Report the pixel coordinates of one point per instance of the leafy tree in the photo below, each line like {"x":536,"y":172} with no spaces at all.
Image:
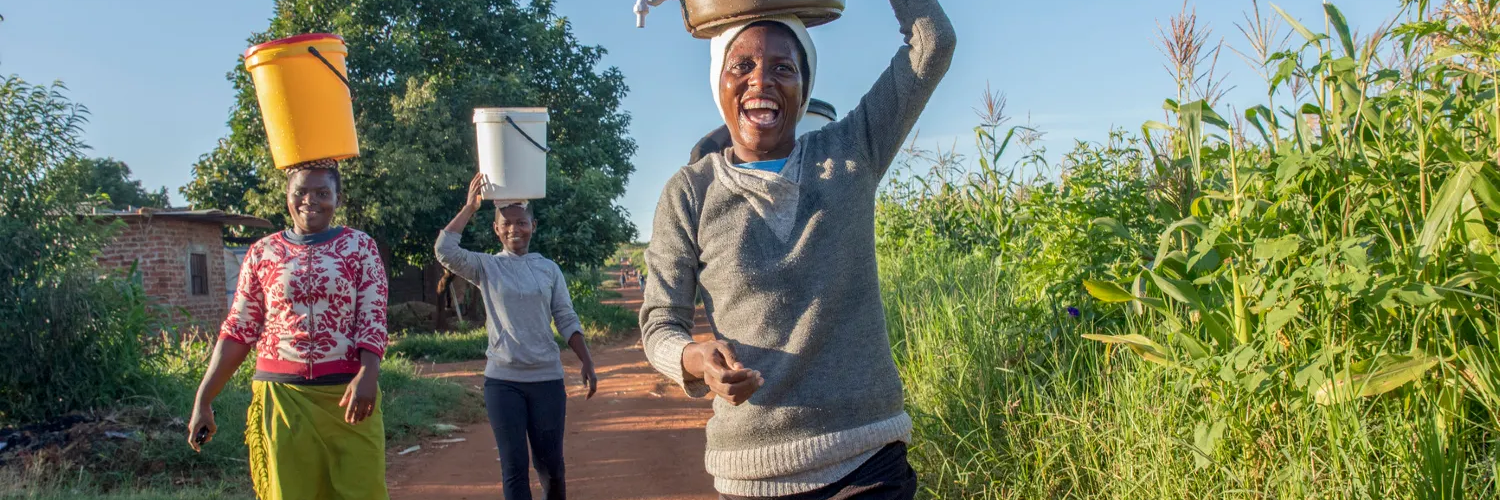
{"x":417,"y":70}
{"x":108,"y":177}
{"x":71,"y":340}
{"x":39,"y":131}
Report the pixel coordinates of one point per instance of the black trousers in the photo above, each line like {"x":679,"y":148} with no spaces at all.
{"x":885,"y":476}
{"x":522,"y":412}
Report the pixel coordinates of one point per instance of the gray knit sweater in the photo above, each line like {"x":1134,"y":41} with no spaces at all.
{"x":525,"y":297}
{"x":786,"y":268}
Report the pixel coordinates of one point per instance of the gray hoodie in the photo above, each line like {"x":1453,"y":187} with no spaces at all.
{"x":524,"y":297}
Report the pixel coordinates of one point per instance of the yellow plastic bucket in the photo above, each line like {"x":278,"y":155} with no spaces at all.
{"x":304,"y":98}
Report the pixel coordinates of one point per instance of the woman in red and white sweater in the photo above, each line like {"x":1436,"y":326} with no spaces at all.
{"x":311,"y":303}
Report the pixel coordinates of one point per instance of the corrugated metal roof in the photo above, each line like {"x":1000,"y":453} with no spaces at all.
{"x":216,"y":216}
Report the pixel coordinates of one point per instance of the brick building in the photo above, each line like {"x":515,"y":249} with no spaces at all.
{"x":181,"y":258}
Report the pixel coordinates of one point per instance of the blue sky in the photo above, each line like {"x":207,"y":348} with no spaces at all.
{"x":152,"y":72}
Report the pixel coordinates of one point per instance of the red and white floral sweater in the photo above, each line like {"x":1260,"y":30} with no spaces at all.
{"x":310,"y":309}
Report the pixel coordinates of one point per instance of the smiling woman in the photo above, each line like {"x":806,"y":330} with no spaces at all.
{"x":776,"y":235}
{"x":313,"y":192}
{"x":311,"y":303}
{"x":763,"y":79}
{"x":526,"y":298}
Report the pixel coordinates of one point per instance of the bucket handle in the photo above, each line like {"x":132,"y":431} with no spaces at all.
{"x":538,"y":145}
{"x":335,"y":71}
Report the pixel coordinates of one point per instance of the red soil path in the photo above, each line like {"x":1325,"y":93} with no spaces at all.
{"x":640,"y":437}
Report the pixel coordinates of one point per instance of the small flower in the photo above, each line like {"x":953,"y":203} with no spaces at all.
{"x":1073,"y":311}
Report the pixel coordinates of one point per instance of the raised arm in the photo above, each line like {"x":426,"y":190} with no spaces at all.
{"x":889,"y":111}
{"x":667,"y":310}
{"x":467,"y":265}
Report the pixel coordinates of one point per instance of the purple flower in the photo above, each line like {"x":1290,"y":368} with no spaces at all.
{"x":1073,"y":311}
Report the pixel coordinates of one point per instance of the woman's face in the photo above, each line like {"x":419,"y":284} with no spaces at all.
{"x":311,"y":197}
{"x":514,"y":227}
{"x":760,"y":93}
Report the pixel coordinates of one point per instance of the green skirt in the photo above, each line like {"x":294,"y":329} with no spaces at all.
{"x":301,"y":447}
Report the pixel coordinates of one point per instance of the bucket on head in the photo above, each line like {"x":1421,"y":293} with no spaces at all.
{"x":819,"y":114}
{"x":513,"y":152}
{"x":302,"y":86}
{"x":706,"y":18}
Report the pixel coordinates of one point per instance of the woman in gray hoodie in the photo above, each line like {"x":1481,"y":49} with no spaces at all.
{"x":525,"y":297}
{"x":776,"y":234}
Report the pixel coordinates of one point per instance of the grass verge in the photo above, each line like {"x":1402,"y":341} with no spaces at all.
{"x":602,"y":323}
{"x":152,"y":460}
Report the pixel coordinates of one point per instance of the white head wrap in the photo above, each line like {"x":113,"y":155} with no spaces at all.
{"x":719,"y":48}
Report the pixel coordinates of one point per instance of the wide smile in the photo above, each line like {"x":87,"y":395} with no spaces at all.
{"x":760,"y":112}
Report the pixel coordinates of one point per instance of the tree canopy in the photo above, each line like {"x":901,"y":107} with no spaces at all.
{"x":107,"y":177}
{"x":417,"y":69}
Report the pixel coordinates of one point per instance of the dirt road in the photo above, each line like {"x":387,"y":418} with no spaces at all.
{"x":640,"y":437}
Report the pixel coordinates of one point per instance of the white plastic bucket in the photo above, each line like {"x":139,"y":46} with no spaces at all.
{"x":819,"y":114}
{"x":513,"y":152}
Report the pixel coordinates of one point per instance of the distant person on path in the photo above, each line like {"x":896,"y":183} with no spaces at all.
{"x":311,"y":302}
{"x":525,"y":296}
{"x":777,"y":235}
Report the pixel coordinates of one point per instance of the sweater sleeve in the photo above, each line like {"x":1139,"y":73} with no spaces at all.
{"x":880,"y":123}
{"x":671,"y":285}
{"x":370,"y":329}
{"x":564,"y":318}
{"x":467,"y":265}
{"x":247,"y":315}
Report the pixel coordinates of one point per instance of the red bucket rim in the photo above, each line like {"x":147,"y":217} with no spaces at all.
{"x":308,"y":37}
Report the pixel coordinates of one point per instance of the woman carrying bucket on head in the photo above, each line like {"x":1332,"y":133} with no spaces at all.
{"x":777,"y":234}
{"x":526,"y":299}
{"x":311,"y":300}
{"x":311,"y":305}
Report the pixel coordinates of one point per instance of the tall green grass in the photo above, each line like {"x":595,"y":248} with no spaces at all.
{"x":1290,"y":302}
{"x":1012,"y":409}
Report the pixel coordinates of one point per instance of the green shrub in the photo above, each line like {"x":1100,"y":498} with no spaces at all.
{"x":440,"y":347}
{"x":73,"y":338}
{"x":604,"y":322}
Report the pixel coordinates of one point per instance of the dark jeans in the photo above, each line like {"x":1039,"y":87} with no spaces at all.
{"x":885,"y":476}
{"x":522,"y":412}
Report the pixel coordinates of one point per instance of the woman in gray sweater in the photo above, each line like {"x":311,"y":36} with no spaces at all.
{"x":776,"y":234}
{"x":525,"y":299}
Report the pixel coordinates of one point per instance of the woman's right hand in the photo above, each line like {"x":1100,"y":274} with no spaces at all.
{"x":475,"y":199}
{"x":203,"y":420}
{"x":725,"y":376}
